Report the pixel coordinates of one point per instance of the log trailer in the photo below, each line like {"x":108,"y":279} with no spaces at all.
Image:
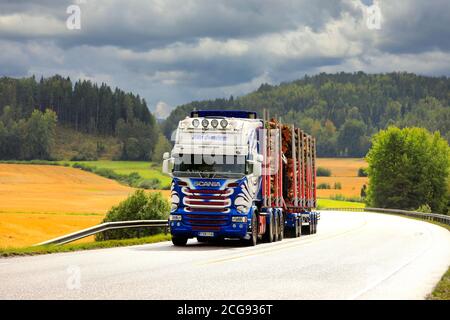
{"x":235,"y":176}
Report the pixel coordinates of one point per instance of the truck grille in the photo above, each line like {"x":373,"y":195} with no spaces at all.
{"x":206,"y":219}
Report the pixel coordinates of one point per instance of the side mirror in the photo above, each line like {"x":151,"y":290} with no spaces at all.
{"x":166,"y":156}
{"x":257,"y":168}
{"x":166,"y":167}
{"x":256,"y":164}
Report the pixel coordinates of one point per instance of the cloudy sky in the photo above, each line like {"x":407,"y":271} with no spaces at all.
{"x":172,"y":52}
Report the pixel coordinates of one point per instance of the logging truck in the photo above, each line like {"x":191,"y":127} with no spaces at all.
{"x":237,"y":176}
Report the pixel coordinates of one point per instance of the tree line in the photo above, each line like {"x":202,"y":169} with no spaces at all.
{"x":344,"y":110}
{"x":83,"y":106}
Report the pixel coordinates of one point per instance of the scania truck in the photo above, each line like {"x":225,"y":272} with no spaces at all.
{"x":237,"y":176}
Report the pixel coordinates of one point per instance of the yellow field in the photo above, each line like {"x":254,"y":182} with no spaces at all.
{"x":345,"y":171}
{"x":39,"y":202}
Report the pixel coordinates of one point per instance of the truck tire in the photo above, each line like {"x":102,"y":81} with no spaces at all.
{"x":299,"y":227}
{"x":179,"y":241}
{"x":254,"y":235}
{"x":275,"y":227}
{"x":202,"y":239}
{"x":293,"y":232}
{"x":281,"y":227}
{"x":307,"y":229}
{"x":314,"y":225}
{"x":268,"y":236}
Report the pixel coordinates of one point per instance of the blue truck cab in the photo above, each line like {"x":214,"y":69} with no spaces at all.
{"x":216,"y":170}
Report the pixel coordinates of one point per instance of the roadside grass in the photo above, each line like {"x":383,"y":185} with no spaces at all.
{"x":328,"y":203}
{"x":442,"y":289}
{"x":28,"y":251}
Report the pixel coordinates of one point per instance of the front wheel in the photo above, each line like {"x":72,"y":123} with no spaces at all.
{"x":179,"y":241}
{"x":202,"y":239}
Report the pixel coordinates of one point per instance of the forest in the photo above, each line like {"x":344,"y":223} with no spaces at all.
{"x":83,"y":106}
{"x":344,"y":110}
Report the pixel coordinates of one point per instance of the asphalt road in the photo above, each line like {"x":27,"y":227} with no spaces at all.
{"x":353,"y":256}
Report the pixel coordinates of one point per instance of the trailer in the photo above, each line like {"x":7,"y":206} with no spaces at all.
{"x":235,"y":176}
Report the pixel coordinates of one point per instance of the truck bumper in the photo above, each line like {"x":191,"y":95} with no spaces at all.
{"x":233,"y":230}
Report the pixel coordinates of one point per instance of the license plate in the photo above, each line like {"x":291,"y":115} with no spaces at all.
{"x":206,"y":234}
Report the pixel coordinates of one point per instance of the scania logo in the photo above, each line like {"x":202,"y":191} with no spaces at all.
{"x":207,"y":184}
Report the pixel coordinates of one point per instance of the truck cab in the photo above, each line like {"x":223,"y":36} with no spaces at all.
{"x":216,"y":172}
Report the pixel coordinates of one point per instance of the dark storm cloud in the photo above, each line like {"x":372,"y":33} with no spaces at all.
{"x":416,"y":26}
{"x":172,"y":52}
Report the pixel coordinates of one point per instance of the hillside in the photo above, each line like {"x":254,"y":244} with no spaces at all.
{"x":343,"y":110}
{"x":75,"y":145}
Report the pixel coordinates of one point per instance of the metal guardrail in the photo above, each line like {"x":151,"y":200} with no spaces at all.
{"x":163,"y":223}
{"x":442,"y":218}
{"x":104,"y":227}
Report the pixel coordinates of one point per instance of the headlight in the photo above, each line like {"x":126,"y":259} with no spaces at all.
{"x":223,"y":123}
{"x":239,"y":219}
{"x":195,"y":123}
{"x":175,"y":217}
{"x":242,"y":209}
{"x":205,"y":123}
{"x":214,"y":123}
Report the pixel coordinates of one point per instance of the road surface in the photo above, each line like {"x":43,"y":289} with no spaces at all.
{"x":353,"y":256}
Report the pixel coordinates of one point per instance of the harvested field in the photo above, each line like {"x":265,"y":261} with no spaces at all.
{"x":39,"y":202}
{"x":345,"y":171}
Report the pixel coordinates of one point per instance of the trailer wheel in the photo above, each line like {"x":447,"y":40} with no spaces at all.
{"x":268,"y":236}
{"x":275,"y":227}
{"x":179,"y":241}
{"x":294,"y":232}
{"x":254,"y":236}
{"x":307,"y":229}
{"x":315,"y":223}
{"x":281,"y":227}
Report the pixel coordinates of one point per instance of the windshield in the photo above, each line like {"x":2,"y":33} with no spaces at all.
{"x":213,"y":166}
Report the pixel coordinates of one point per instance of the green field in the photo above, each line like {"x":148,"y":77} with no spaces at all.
{"x":328,"y":203}
{"x":147,"y":170}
